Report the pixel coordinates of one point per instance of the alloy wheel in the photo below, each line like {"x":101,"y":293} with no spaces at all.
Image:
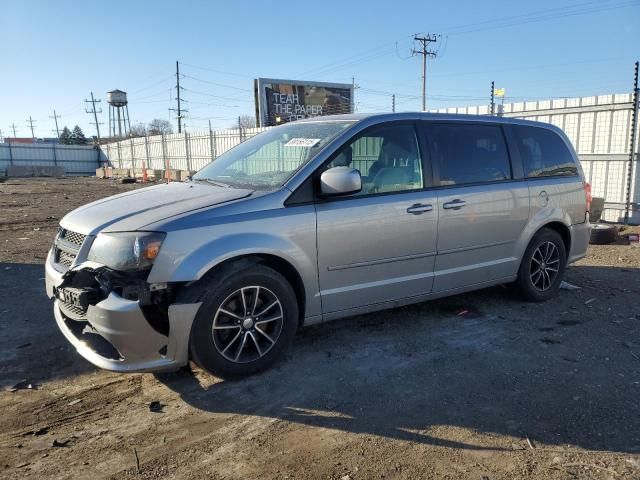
{"x":545,"y":264}
{"x":247,"y":324}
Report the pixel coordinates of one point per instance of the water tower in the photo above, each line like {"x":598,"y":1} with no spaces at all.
{"x":118,"y":113}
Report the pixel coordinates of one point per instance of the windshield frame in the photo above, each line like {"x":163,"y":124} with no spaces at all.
{"x":220,"y":180}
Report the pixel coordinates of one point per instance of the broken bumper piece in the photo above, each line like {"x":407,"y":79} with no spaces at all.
{"x":114,"y":334}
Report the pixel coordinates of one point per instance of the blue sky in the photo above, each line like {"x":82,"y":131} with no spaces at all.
{"x":54,"y":53}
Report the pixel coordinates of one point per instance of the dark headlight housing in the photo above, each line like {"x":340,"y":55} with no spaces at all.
{"x":126,"y":251}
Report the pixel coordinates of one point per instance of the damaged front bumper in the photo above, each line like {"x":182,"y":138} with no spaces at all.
{"x":119,"y":334}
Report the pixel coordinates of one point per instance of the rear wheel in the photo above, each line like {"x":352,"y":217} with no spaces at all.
{"x":245,"y":323}
{"x":542,"y":267}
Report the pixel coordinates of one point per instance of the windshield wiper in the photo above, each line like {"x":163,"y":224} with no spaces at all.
{"x":212,"y":182}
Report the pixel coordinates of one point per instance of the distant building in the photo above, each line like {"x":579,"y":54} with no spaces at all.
{"x":30,"y":141}
{"x":21,"y":140}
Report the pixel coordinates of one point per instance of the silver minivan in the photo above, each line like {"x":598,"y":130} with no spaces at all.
{"x":312,"y":221}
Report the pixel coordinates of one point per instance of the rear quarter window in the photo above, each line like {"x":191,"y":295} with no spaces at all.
{"x":544,"y":153}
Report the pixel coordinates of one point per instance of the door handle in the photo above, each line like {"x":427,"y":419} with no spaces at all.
{"x":456,"y":204}
{"x":418,"y":208}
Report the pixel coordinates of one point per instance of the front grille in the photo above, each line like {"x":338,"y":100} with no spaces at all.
{"x":66,"y":248}
{"x":64,"y":258}
{"x":72,"y":237}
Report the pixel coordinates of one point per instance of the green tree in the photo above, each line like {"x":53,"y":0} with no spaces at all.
{"x":65,"y":136}
{"x":77,"y":136}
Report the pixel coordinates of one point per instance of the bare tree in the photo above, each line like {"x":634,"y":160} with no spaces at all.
{"x":138,"y":130}
{"x":245,"y":121}
{"x":157,"y":126}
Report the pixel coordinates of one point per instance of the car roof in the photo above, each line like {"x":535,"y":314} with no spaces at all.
{"x":372,"y":118}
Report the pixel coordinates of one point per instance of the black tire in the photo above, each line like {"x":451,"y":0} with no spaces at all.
{"x":529,"y":283}
{"x":602,"y":234}
{"x":217,"y":294}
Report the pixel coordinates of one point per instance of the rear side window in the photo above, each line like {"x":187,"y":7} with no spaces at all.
{"x":469,"y":153}
{"x":544,"y":153}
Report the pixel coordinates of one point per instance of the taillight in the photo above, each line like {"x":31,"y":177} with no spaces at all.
{"x":587,"y":195}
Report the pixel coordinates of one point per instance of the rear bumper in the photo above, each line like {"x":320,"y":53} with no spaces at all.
{"x":580,"y":235}
{"x":115,"y":335}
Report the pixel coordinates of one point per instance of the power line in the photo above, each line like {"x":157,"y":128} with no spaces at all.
{"x":95,"y":113}
{"x":538,"y":16}
{"x":221,"y":72}
{"x":55,"y":118}
{"x":222,"y":85}
{"x":30,"y":122}
{"x":425,"y":52}
{"x":164,"y":79}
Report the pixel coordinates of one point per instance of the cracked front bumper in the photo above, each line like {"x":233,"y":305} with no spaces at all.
{"x":115,"y":335}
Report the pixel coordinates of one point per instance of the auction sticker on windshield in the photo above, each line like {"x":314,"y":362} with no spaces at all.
{"x":302,"y":142}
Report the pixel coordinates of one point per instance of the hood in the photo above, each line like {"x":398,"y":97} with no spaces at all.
{"x":133,"y":210}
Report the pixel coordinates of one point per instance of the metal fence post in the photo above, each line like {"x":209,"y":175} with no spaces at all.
{"x":632,"y":146}
{"x":215,"y":145}
{"x":10,"y":155}
{"x":165,"y":160}
{"x":133,"y":161}
{"x":119,"y":155}
{"x":211,"y":143}
{"x":187,"y":151}
{"x":55,"y":159}
{"x":146,"y":149}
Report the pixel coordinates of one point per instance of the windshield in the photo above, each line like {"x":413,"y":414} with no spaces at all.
{"x":268,"y":160}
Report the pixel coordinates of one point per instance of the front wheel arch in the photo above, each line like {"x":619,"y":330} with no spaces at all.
{"x":194,"y":291}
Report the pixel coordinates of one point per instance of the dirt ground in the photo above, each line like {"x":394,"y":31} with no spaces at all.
{"x":478,"y":386}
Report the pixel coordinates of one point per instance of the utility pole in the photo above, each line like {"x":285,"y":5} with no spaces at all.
{"x":393,"y":102}
{"x":633,"y":142}
{"x":56,"y":117}
{"x":492,"y":98}
{"x":95,"y":113}
{"x":13,"y":127}
{"x":353,"y":94}
{"x":424,"y":42}
{"x":1,"y":136}
{"x":179,"y":111}
{"x":30,"y":121}
{"x":178,"y":89}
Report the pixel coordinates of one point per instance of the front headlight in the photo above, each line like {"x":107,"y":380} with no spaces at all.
{"x":126,"y":251}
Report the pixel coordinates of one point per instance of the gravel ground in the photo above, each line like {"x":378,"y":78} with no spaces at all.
{"x":477,"y":386}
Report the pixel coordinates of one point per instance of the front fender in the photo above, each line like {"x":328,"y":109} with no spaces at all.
{"x":187,"y":255}
{"x":203,"y":259}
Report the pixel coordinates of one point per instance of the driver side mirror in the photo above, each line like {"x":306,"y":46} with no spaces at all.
{"x":340,"y":181}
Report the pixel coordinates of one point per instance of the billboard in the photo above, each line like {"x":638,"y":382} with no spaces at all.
{"x":282,"y":101}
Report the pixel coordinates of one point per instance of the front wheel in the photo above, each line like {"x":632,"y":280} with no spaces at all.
{"x":245,"y":323}
{"x":542,"y":267}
